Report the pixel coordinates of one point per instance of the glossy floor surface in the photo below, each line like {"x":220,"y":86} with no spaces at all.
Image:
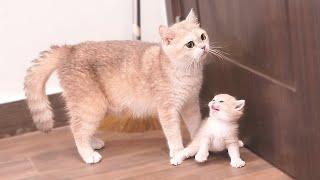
{"x":126,"y":156}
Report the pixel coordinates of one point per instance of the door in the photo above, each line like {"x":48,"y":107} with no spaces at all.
{"x":275,"y":65}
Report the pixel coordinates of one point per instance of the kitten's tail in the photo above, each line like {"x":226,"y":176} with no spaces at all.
{"x":34,"y":86}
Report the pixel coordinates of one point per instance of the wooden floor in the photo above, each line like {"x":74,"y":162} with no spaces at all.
{"x":126,"y":156}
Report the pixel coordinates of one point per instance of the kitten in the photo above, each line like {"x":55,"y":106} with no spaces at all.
{"x":124,"y":76}
{"x":217,"y":133}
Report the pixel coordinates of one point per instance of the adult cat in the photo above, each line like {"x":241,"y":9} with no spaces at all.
{"x":124,"y":76}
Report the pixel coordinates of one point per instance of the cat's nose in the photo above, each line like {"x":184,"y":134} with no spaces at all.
{"x":203,"y":47}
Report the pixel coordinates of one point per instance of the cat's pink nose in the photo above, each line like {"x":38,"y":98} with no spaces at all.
{"x":203,"y":47}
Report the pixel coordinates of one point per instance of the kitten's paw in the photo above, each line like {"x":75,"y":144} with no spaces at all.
{"x":241,"y":144}
{"x":201,"y":157}
{"x":186,"y":154}
{"x":91,"y":158}
{"x":96,"y":143}
{"x":237,"y":163}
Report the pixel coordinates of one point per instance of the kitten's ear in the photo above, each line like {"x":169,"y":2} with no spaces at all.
{"x":192,"y":18}
{"x":166,"y":34}
{"x":240,"y":105}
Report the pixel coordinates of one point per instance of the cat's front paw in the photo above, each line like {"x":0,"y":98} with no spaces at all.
{"x":91,"y":158}
{"x":174,"y":152}
{"x":201,"y":157}
{"x":237,"y":163}
{"x":176,"y":160}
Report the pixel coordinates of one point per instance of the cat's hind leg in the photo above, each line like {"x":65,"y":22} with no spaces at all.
{"x":84,"y":122}
{"x":234,"y":154}
{"x":86,"y":105}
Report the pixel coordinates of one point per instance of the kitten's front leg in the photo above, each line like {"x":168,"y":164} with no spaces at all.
{"x":203,"y":152}
{"x":233,"y":151}
{"x":187,"y":152}
{"x":170,"y":122}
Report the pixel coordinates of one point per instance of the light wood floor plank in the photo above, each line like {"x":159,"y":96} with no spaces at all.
{"x":126,"y":156}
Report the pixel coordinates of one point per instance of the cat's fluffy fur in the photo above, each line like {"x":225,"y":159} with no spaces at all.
{"x":217,"y":133}
{"x":120,"y":76}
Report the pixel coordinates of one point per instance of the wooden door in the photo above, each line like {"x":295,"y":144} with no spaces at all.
{"x":275,"y":66}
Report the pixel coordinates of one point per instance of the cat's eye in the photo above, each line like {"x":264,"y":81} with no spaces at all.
{"x":190,"y":44}
{"x":203,"y":37}
{"x":221,"y":101}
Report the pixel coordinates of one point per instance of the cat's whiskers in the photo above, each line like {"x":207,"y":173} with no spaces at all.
{"x":215,"y":43}
{"x":223,"y":52}
{"x":216,"y":47}
{"x":215,"y":53}
{"x":219,"y":53}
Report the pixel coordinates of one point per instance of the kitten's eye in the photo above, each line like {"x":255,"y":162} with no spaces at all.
{"x":203,"y":37}
{"x":190,"y":44}
{"x":221,"y":101}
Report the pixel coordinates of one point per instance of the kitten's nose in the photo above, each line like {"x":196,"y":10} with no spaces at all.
{"x":215,"y":107}
{"x":203,"y":47}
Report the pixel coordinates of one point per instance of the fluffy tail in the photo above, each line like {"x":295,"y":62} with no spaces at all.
{"x":35,"y":81}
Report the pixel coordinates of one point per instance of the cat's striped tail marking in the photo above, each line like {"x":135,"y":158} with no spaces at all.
{"x":34,"y":86}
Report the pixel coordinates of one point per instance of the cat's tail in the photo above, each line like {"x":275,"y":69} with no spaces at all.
{"x":34,"y":86}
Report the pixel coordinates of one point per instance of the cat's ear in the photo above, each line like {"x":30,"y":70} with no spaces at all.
{"x":192,"y":18}
{"x":166,"y":34}
{"x":240,"y":105}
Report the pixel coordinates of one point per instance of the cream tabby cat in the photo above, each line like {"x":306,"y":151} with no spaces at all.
{"x":217,"y":133}
{"x":124,"y":76}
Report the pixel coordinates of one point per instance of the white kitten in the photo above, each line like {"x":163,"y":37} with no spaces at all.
{"x":217,"y":133}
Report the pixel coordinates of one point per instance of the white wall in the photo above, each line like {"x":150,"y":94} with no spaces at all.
{"x":153,"y":13}
{"x":28,"y":27}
